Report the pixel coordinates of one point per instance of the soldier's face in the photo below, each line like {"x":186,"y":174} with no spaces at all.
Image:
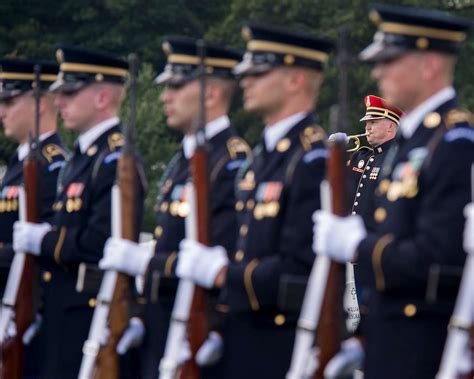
{"x":379,"y":131}
{"x":264,"y":93}
{"x":17,"y":116}
{"x":181,"y":105}
{"x":78,"y":109}
{"x":400,"y":80}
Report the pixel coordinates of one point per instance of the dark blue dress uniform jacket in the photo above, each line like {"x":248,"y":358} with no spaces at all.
{"x":414,"y":260}
{"x":52,"y":159}
{"x":277,"y":196}
{"x":227,"y":152}
{"x":80,"y":228}
{"x":53,"y":156}
{"x":365,"y":167}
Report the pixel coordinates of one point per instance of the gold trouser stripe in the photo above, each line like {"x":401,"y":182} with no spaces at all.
{"x":191,"y":59}
{"x":21,"y":76}
{"x":93,"y":69}
{"x":169,"y":263}
{"x":377,"y":260}
{"x":249,"y":286}
{"x":59,"y":245}
{"x":282,"y":48}
{"x":422,"y":31}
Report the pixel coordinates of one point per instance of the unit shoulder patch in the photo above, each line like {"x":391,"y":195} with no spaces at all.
{"x":311,"y":135}
{"x":236,"y":146}
{"x":458,"y":117}
{"x":115,"y":140}
{"x":53,"y":152}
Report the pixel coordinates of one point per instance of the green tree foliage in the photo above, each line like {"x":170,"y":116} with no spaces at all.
{"x":31,"y":28}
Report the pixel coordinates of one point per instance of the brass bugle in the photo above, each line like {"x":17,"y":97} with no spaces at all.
{"x":356,"y":139}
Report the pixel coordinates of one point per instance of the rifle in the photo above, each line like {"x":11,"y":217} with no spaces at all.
{"x":18,"y":299}
{"x":461,"y":325}
{"x":331,"y":324}
{"x":112,"y":310}
{"x":182,"y":304}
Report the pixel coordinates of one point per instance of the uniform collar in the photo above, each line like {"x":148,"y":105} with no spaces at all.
{"x":88,"y":138}
{"x":383,"y":147}
{"x":211,"y":129}
{"x":410,"y":122}
{"x":274,"y":133}
{"x":24,"y":149}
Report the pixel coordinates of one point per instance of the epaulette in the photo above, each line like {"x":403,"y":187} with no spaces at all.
{"x":236,"y":145}
{"x":51,"y":151}
{"x":311,"y":135}
{"x":115,"y":140}
{"x":458,"y":116}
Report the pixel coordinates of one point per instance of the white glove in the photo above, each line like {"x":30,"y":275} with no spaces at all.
{"x":335,"y":136}
{"x":211,"y":350}
{"x":132,"y":337}
{"x":344,"y":363}
{"x":200,"y":263}
{"x":337,"y":237}
{"x":126,"y":256}
{"x":184,"y":354}
{"x":32,"y":330}
{"x":27,"y":236}
{"x":469,"y":228}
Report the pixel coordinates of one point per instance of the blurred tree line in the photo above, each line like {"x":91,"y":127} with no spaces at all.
{"x":33,"y":29}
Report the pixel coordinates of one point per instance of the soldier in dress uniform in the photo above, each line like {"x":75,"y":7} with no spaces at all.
{"x":227,"y":152}
{"x":381,"y":121}
{"x":90,"y":89}
{"x":17,"y":114}
{"x":276,"y":195}
{"x":412,"y":262}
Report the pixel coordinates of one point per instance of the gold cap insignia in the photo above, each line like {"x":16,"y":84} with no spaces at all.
{"x":166,"y":47}
{"x":422,"y":43}
{"x":374,"y":16}
{"x":289,"y":59}
{"x":59,"y":56}
{"x":246,"y":33}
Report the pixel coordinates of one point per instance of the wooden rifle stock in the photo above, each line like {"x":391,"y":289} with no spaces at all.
{"x":331,"y":323}
{"x":12,"y":350}
{"x":198,"y":323}
{"x":107,"y":365}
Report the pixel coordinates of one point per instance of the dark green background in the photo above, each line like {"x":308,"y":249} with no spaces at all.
{"x":33,"y":29}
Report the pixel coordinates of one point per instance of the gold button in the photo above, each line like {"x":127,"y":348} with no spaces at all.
{"x":92,"y":302}
{"x":432,"y":120}
{"x":164,"y":206}
{"x":250,"y":204}
{"x":384,"y":186}
{"x":239,"y":205}
{"x":409,"y":310}
{"x":158,"y":231}
{"x":244,"y":230}
{"x":239,"y":255}
{"x":280,"y":319}
{"x":283,"y":145}
{"x":380,"y":214}
{"x":258,"y":212}
{"x":174,"y":207}
{"x":47,"y":276}
{"x":183,"y":209}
